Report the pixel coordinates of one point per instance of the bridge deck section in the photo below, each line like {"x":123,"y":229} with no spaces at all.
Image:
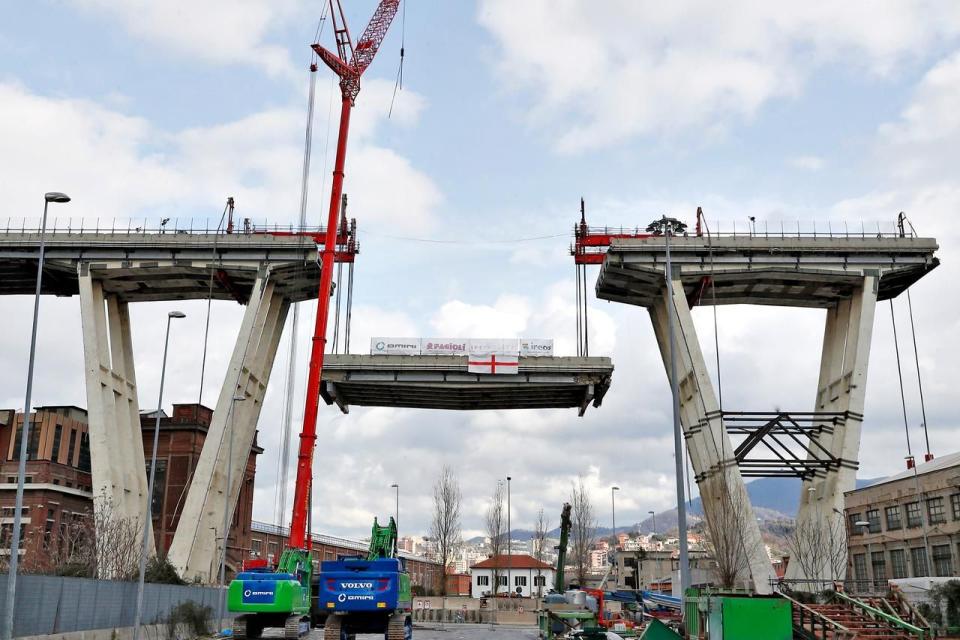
{"x":443,"y":382}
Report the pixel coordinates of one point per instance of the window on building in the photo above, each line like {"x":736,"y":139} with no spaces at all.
{"x":502,"y":581}
{"x":860,"y":566}
{"x":48,"y":527}
{"x":16,"y":444}
{"x":256,"y":546}
{"x":519,"y":581}
{"x":33,"y":444}
{"x":955,"y":505}
{"x":539,"y":581}
{"x":483,"y":581}
{"x":57,"y":433}
{"x":914,"y":519}
{"x":879,"y":565}
{"x":159,"y":487}
{"x":84,"y":463}
{"x":893,"y":518}
{"x":71,"y":446}
{"x":918,"y":558}
{"x":898,"y":564}
{"x":936,"y":511}
{"x":873,"y":517}
{"x":854,"y":518}
{"x":942,"y":566}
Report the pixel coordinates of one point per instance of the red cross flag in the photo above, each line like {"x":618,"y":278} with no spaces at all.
{"x":493,"y":363}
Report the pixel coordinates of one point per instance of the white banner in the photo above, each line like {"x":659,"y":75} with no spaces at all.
{"x":444,"y":347}
{"x":536,"y":347}
{"x":395,"y":346}
{"x":493,"y":363}
{"x":507,"y":346}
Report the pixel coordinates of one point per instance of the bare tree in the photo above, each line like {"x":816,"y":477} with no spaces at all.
{"x":495,"y":531}
{"x":445,"y":527}
{"x":725,"y":532}
{"x":539,"y":546}
{"x":819,"y":547}
{"x":583,"y":534}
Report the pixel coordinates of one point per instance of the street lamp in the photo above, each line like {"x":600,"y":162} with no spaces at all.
{"x":226,"y":505}
{"x":509,"y":540}
{"x":865,"y":525}
{"x":148,"y":511}
{"x":667,"y":227}
{"x":7,"y":631}
{"x":396,"y":513}
{"x":613,"y":514}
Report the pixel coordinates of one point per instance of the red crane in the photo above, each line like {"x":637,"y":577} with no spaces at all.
{"x":349,"y":63}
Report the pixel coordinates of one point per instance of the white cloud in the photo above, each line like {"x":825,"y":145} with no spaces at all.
{"x":115,"y":165}
{"x":213,"y":31}
{"x":807,"y":163}
{"x":597,"y":77}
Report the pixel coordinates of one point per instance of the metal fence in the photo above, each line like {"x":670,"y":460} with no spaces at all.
{"x":53,"y":604}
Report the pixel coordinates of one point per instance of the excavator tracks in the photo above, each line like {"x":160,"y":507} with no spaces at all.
{"x":296,"y":627}
{"x":397,"y":628}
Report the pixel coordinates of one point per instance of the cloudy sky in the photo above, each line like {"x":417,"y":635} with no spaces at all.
{"x":826,"y":112}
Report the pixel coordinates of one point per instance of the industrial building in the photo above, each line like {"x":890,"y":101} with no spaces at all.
{"x":912,"y":525}
{"x":58,"y":488}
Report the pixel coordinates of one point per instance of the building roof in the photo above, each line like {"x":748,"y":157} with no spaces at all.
{"x":515,"y":561}
{"x":937,"y":464}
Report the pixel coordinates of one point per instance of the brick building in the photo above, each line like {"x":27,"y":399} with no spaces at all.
{"x":57,"y":490}
{"x":908,"y":535}
{"x":181,"y":440}
{"x":268,"y":541}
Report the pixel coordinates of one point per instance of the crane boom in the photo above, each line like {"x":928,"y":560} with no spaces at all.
{"x":349,"y":72}
{"x":565,"y":523}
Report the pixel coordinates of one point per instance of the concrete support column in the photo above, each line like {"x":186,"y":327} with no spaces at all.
{"x":841,"y":388}
{"x":718,"y":477}
{"x":195,"y":548}
{"x":116,"y":446}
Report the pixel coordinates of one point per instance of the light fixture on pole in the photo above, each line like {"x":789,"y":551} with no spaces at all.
{"x":667,"y":227}
{"x":7,"y":627}
{"x":613,"y":513}
{"x":148,"y":511}
{"x":509,"y":540}
{"x":868,"y":565}
{"x":226,"y":507}
{"x":396,"y":513}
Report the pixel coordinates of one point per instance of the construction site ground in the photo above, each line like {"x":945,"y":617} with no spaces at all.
{"x":434,"y":632}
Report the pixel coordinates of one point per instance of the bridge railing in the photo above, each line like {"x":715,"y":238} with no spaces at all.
{"x":147,"y":226}
{"x":772,"y":229}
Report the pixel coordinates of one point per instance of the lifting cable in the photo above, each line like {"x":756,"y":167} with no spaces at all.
{"x":916,"y":358}
{"x":403,"y":39}
{"x":903,"y":400}
{"x":576,"y":271}
{"x":283,"y":463}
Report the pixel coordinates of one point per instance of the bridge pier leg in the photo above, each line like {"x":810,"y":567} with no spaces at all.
{"x":116,"y":446}
{"x":195,"y":548}
{"x":724,"y":496}
{"x":841,"y":388}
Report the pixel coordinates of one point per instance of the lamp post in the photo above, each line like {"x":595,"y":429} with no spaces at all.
{"x":667,"y":227}
{"x":148,"y":511}
{"x":226,"y":507}
{"x":7,"y":631}
{"x":396,"y":516}
{"x":865,"y":525}
{"x":509,"y":542}
{"x":613,"y":514}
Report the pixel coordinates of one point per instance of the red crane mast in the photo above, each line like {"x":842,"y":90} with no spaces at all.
{"x":348,"y":63}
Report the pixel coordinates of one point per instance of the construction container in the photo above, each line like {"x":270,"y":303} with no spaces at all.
{"x":733,"y":615}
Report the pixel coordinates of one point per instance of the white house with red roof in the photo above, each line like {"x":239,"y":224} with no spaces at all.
{"x":518,"y":573}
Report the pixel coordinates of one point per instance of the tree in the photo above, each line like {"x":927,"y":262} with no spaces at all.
{"x":495,"y":531}
{"x":725,"y":532}
{"x":819,"y":547}
{"x":445,"y":527}
{"x":539,"y":545}
{"x":583,"y":533}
